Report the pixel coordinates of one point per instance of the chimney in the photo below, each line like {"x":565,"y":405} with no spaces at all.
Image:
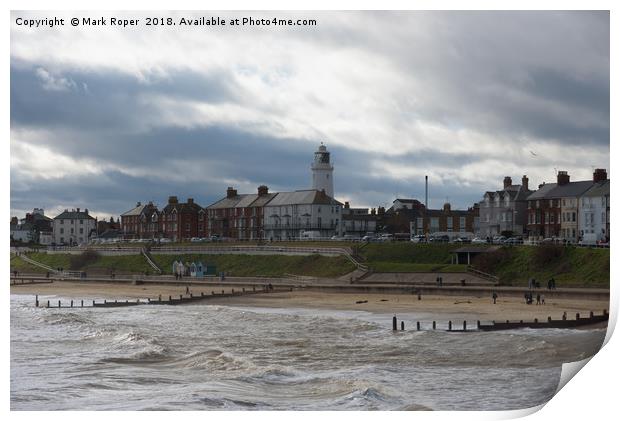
{"x":446,"y":207}
{"x":138,"y":204}
{"x":230,"y":192}
{"x":346,"y":205}
{"x":426,"y":191}
{"x":373,"y":211}
{"x":524,"y":183}
{"x":86,"y":211}
{"x":172,"y":200}
{"x":540,"y":186}
{"x":507,"y":182}
{"x":190,"y":200}
{"x":380,"y":210}
{"x":14,"y":220}
{"x":78,"y":210}
{"x":263,"y":190}
{"x":600,"y":174}
{"x":563,"y":178}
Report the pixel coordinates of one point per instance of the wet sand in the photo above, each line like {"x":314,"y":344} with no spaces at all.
{"x":439,"y":307}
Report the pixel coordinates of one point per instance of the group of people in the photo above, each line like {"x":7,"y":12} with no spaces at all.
{"x":439,"y":281}
{"x":534,"y":284}
{"x":529,"y":298}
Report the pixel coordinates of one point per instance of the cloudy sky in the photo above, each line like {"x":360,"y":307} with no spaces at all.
{"x":104,"y":117}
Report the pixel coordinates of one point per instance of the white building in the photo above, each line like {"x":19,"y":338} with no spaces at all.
{"x":323,"y":172}
{"x":594,"y":213}
{"x":73,"y":227}
{"x":302,"y":213}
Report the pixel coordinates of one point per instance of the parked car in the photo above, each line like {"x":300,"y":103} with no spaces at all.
{"x":418,"y":239}
{"x":165,"y":240}
{"x":513,"y":241}
{"x":368,"y":238}
{"x":499,"y":239}
{"x":461,"y":240}
{"x":196,"y":240}
{"x":479,"y":240}
{"x":439,"y":239}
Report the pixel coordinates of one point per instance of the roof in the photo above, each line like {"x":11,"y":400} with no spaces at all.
{"x":135,"y":211}
{"x":246,"y":201}
{"x":515,"y":191}
{"x":302,"y":197}
{"x":407,"y":200}
{"x":74,"y":215}
{"x":227,"y":202}
{"x":554,"y":191}
{"x":599,"y":189}
{"x":263,"y":200}
{"x":182,"y":207}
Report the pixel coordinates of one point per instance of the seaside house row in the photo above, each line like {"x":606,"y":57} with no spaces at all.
{"x":176,"y":221}
{"x":276,"y":216}
{"x":566,"y":209}
{"x":411,"y":216}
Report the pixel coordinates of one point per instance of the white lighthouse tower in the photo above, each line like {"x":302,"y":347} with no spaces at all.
{"x":322,"y":171}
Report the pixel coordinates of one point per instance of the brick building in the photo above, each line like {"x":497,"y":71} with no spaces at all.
{"x":182,"y":221}
{"x":553,"y":210}
{"x":140,"y":222}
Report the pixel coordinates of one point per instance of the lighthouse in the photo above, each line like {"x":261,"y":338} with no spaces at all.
{"x":322,"y":171}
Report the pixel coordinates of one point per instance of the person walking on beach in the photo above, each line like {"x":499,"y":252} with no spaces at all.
{"x":494,"y":297}
{"x":542,"y":298}
{"x":537,"y":299}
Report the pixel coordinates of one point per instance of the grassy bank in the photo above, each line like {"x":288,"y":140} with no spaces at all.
{"x":570,"y":266}
{"x":264,"y":265}
{"x":96,"y":263}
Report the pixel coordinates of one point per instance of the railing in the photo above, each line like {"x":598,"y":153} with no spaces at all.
{"x":481,"y":274}
{"x":150,"y":261}
{"x":309,"y":227}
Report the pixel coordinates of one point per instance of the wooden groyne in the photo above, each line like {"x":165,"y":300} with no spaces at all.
{"x":563,"y":323}
{"x":169,"y":300}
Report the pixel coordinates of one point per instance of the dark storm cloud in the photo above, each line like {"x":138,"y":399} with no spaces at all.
{"x":540,"y":75}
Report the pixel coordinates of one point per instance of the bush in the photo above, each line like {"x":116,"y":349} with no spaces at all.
{"x":489,"y":262}
{"x":78,"y":261}
{"x":547,"y":255}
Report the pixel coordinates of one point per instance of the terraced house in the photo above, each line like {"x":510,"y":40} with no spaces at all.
{"x":553,"y":210}
{"x":238,"y":216}
{"x":182,"y":221}
{"x":505,"y":211}
{"x":141,"y":222}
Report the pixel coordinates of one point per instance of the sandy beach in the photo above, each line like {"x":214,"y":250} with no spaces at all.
{"x":439,"y":307}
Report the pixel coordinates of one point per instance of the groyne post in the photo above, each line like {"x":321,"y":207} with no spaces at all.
{"x":58,"y":303}
{"x":71,"y":303}
{"x":417,"y":325}
{"x":402,"y":325}
{"x":549,"y":319}
{"x":464,"y":324}
{"x":434,"y":325}
{"x":170,"y":298}
{"x":535,"y":320}
{"x":394,"y":323}
{"x":591,"y":314}
{"x":159,"y":298}
{"x":81,"y":303}
{"x":36,"y":301}
{"x":449,"y":324}
{"x":48,"y":303}
{"x":577,"y":316}
{"x":478,"y":324}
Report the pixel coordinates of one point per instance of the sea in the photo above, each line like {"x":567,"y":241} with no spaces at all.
{"x":215,"y":357}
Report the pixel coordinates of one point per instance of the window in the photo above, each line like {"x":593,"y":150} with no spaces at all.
{"x":449,"y":223}
{"x":574,"y":216}
{"x":537,"y":204}
{"x":62,"y":230}
{"x":462,"y":224}
{"x":62,"y":222}
{"x":419,"y":222}
{"x":81,"y":222}
{"x":434,"y":224}
{"x":81,"y":230}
